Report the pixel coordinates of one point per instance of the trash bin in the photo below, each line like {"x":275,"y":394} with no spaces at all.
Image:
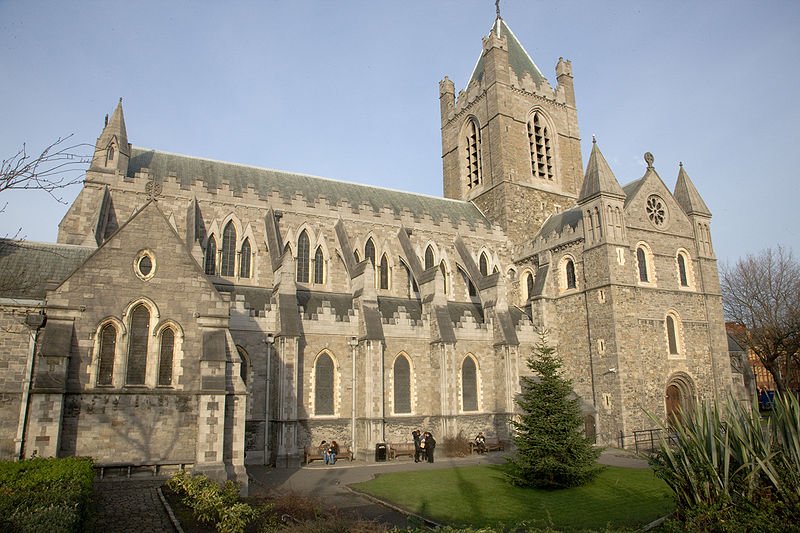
{"x":380,"y":452}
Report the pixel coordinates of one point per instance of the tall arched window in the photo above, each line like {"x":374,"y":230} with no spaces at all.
{"x":402,"y":385}
{"x":683,"y":278}
{"x":166,"y":357}
{"x":443,"y":270}
{"x":356,"y":256}
{"x":384,"y":272}
{"x":541,"y":146}
{"x":323,"y":385}
{"x":303,"y":247}
{"x":244,"y":260}
{"x":228,"y":262}
{"x":108,"y":347}
{"x":319,"y":266}
{"x":244,"y":366}
{"x":110,"y":154}
{"x":641,"y":260}
{"x":137,"y":349}
{"x":528,"y":286}
{"x":672,"y":335}
{"x":484,"y":264}
{"x":369,"y":251}
{"x":211,"y":256}
{"x":469,"y":385}
{"x":429,"y":257}
{"x":472,"y":154}
{"x":570,"y":274}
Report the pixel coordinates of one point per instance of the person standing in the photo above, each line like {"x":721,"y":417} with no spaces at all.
{"x":430,"y":446}
{"x":417,"y":436}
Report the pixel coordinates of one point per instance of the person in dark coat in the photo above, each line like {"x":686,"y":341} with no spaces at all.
{"x":430,"y":446}
{"x":417,"y":436}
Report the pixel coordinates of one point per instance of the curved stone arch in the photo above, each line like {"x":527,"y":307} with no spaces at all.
{"x":321,"y":243}
{"x":678,"y":351}
{"x":563,"y":273}
{"x":689,"y":269}
{"x":147,"y":302}
{"x":525,"y":288}
{"x":213,"y":231}
{"x":119,"y":351}
{"x":552,"y":135}
{"x":421,"y":251}
{"x":650,"y":264}
{"x":393,"y":384}
{"x":177,"y":351}
{"x":465,"y":388}
{"x":237,"y":225}
{"x":315,"y":384}
{"x":680,"y":394}
{"x":466,"y":181}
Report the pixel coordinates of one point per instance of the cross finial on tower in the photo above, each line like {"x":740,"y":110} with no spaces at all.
{"x":497,"y":7}
{"x":594,"y":139}
{"x":648,"y":158}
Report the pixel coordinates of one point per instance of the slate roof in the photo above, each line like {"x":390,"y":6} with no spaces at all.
{"x":518,"y":59}
{"x":687,"y":196}
{"x":255,"y":298}
{"x":599,"y":177}
{"x":630,"y":189}
{"x":26,"y":267}
{"x":558,"y":222}
{"x":312,"y":303}
{"x":391,"y":306}
{"x":188,"y":169}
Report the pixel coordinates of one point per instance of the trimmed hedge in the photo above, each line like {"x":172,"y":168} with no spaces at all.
{"x":45,"y":495}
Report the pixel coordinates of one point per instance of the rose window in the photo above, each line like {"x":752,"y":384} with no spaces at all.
{"x":656,"y":211}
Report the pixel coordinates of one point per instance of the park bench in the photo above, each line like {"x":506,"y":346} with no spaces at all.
{"x":151,"y":466}
{"x":492,"y":444}
{"x":312,"y":453}
{"x":398,"y":449}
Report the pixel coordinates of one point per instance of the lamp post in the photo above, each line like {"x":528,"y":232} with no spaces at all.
{"x":269,"y":340}
{"x":353,"y":342}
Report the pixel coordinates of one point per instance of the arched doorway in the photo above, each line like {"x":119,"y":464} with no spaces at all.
{"x":678,"y":398}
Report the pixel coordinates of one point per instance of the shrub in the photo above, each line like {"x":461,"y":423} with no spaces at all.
{"x":49,"y":495}
{"x":211,"y":503}
{"x":457,"y":446}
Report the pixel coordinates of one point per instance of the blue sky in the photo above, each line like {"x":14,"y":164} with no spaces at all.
{"x":349,"y":90}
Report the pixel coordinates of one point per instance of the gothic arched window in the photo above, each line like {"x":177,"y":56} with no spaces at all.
{"x":303,"y":247}
{"x":469,"y":385}
{"x":323,"y":385}
{"x":244,"y":259}
{"x":369,"y":251}
{"x":166,"y":356}
{"x":108,"y":347}
{"x":428,"y":257}
{"x":228,"y":262}
{"x":137,"y":349}
{"x":570,"y":274}
{"x":402,"y":385}
{"x":529,"y":286}
{"x":472,"y":154}
{"x":319,"y":266}
{"x":484,"y":264}
{"x":673,"y":330}
{"x":541,"y":146}
{"x":384,"y":273}
{"x":683,"y":277}
{"x":211,"y":256}
{"x":641,"y":260}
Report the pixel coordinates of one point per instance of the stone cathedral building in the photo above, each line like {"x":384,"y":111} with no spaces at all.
{"x":202,"y":312}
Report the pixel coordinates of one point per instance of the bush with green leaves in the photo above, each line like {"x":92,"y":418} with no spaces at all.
{"x":728,"y":466}
{"x":552,"y":450}
{"x":48,"y":495}
{"x":211,"y":503}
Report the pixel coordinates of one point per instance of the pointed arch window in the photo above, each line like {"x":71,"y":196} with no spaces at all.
{"x":469,"y":385}
{"x":108,"y":349}
{"x":137,"y":349}
{"x":323,"y":385}
{"x":472,"y":154}
{"x":228,"y":261}
{"x":529,"y":286}
{"x":303,"y":247}
{"x":429,"y":257}
{"x":484,"y":264}
{"x":319,"y":266}
{"x":672,"y":335}
{"x":443,"y":270}
{"x":384,"y":272}
{"x":570,"y":274}
{"x":166,"y":356}
{"x":211,"y":256}
{"x":683,"y":277}
{"x":244,"y":365}
{"x":541,"y":147}
{"x":641,"y":259}
{"x":244,"y":260}
{"x":402,"y":385}
{"x":110,"y":154}
{"x":356,"y":256}
{"x":369,"y":251}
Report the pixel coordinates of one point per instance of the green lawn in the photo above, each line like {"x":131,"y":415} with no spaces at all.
{"x":479,"y":496}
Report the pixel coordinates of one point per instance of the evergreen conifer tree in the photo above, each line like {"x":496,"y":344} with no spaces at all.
{"x":552,"y":451}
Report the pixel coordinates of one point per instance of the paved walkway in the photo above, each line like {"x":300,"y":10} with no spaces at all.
{"x":130,"y":506}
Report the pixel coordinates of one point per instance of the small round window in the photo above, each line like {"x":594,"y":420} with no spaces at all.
{"x":145,"y":265}
{"x":657,"y":211}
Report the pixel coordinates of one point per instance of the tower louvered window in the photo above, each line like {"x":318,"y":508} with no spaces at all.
{"x":402,"y":385}
{"x":384,"y":272}
{"x":541,"y":146}
{"x":228,"y":261}
{"x":319,"y":266}
{"x":472,"y":154}
{"x":244,"y":259}
{"x":108,"y":347}
{"x":469,"y":385}
{"x":303,"y":246}
{"x":211,"y":256}
{"x":137,"y":349}
{"x":166,"y":357}
{"x":323,"y":385}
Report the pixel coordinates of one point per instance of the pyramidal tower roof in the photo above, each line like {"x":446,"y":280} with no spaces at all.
{"x":687,"y":196}
{"x":115,"y":127}
{"x":599,"y":178}
{"x":518,"y":59}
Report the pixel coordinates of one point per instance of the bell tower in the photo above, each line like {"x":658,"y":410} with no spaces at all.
{"x":510,"y":141}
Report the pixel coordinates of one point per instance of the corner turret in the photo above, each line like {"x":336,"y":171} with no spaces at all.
{"x":112,"y":151}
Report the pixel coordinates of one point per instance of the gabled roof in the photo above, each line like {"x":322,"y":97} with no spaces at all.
{"x":599,"y":178}
{"x":264,"y":181}
{"x":27,"y":268}
{"x":687,"y":196}
{"x":518,"y":59}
